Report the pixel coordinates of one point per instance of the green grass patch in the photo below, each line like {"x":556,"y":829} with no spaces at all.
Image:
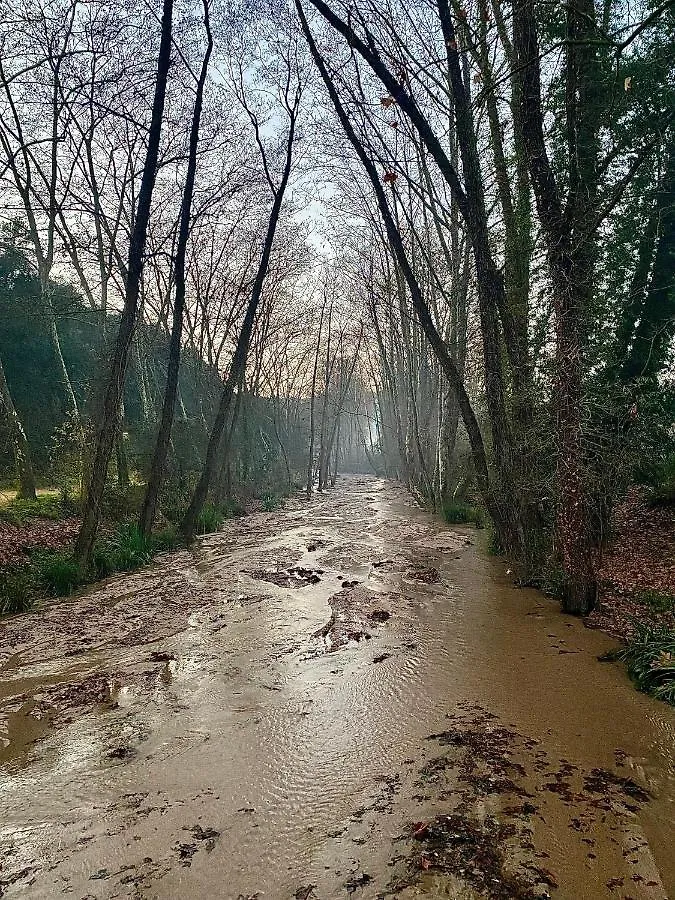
{"x":463,"y":514}
{"x":663,"y":481}
{"x":210,"y":518}
{"x":130,"y":549}
{"x":56,"y":574}
{"x":658,"y":601}
{"x":650,"y":661}
{"x":49,"y":506}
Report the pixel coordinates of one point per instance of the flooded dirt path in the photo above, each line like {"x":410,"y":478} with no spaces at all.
{"x":339,"y":699}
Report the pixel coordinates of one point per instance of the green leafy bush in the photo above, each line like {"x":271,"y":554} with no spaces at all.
{"x":663,"y":481}
{"x":120,"y":503}
{"x":650,"y":661}
{"x":456,"y":513}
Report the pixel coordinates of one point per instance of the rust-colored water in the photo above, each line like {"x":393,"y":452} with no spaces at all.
{"x":198,"y":697}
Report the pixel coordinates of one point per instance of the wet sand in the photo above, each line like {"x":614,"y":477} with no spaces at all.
{"x":341,"y":698}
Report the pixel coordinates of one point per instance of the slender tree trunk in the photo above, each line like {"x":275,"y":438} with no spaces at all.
{"x":71,"y":406}
{"x":149,"y":508}
{"x":336,"y":456}
{"x":20,"y":448}
{"x":312,"y":403}
{"x":238,"y":366}
{"x":121,"y":454}
{"x":109,"y":419}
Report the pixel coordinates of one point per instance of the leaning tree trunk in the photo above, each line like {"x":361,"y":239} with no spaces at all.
{"x":156,"y":476}
{"x":436,"y":341}
{"x":109,"y":420}
{"x":20,"y":448}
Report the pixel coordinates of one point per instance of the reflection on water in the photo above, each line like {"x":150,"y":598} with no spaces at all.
{"x":250,"y":728}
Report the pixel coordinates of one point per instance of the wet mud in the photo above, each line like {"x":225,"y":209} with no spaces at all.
{"x":338,"y":699}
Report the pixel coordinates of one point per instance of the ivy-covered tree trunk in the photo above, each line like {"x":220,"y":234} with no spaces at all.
{"x":570,"y":246}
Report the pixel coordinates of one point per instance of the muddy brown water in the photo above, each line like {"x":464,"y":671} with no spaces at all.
{"x":214,"y":727}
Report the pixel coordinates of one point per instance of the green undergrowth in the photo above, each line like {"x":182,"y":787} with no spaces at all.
{"x":18,"y":589}
{"x":56,"y":574}
{"x":656,"y":601}
{"x":456,"y":513}
{"x":649,"y":658}
{"x":270,"y":502}
{"x":663,"y":481}
{"x":47,"y":506}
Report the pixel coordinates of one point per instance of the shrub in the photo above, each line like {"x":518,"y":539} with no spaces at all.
{"x":162,"y":541}
{"x":456,"y":513}
{"x":650,"y":661}
{"x":17,"y":589}
{"x":57,"y":573}
{"x":120,"y":503}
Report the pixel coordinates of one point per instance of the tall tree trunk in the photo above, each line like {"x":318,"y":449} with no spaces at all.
{"x":149,"y":508}
{"x":71,"y":406}
{"x":109,"y":419}
{"x":570,"y":254}
{"x":20,"y":448}
{"x":238,"y":366}
{"x":312,"y":405}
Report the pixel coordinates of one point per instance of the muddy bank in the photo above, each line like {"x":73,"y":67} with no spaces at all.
{"x":221,"y":724}
{"x":636,"y":572}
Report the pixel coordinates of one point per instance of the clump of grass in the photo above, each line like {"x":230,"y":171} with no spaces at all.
{"x":57,"y":573}
{"x":650,"y":661}
{"x":658,"y":601}
{"x":18,"y":590}
{"x":165,"y":540}
{"x":129,"y":549}
{"x":270,"y":502}
{"x":210,"y":518}
{"x":456,"y":513}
